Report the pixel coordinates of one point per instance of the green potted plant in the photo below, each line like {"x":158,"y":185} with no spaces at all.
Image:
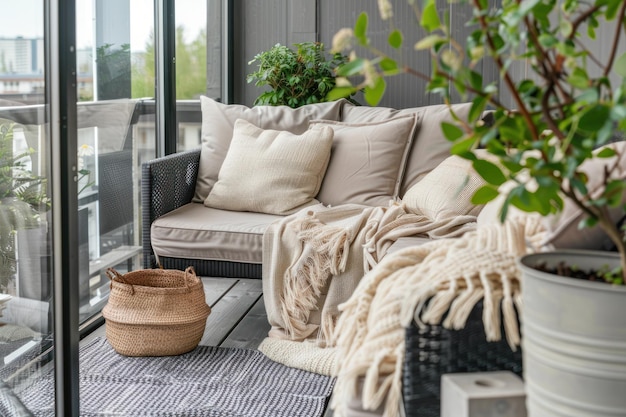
{"x":296,"y":78}
{"x":554,"y":150}
{"x":22,"y":199}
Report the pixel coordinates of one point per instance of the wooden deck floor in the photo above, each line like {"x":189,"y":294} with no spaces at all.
{"x":237,"y":316}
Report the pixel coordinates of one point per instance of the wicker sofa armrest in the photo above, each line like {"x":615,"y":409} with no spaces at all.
{"x":167,"y":183}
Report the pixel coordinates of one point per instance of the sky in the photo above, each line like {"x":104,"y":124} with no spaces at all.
{"x":25,"y":18}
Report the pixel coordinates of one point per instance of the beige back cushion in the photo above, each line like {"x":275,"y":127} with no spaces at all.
{"x":366,"y":162}
{"x":271,"y":171}
{"x":446,"y":191}
{"x":429,"y":146}
{"x":218,"y":122}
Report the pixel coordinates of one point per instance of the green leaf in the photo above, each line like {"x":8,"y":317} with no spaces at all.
{"x":489,"y":171}
{"x":462,"y":147}
{"x":451,"y":131}
{"x":484,"y":194}
{"x":579,"y":78}
{"x":612,"y":8}
{"x":594,"y":118}
{"x":587,"y":222}
{"x":340,"y":92}
{"x":353,"y":67}
{"x":476,"y":80}
{"x":373,"y":95}
{"x":430,"y":18}
{"x":606,"y":153}
{"x":360,"y":28}
{"x":620,"y":65}
{"x":478,"y":107}
{"x":388,"y":65}
{"x":395,"y":39}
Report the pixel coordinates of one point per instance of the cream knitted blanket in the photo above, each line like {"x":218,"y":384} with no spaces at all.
{"x":313,"y":261}
{"x":452,"y":275}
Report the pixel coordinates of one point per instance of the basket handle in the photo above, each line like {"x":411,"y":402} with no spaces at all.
{"x":190,"y":274}
{"x":116,"y":276}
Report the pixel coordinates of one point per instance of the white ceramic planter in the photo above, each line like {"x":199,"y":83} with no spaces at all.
{"x":574,"y":339}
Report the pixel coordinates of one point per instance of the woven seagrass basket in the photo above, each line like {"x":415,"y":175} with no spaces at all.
{"x":155,"y":312}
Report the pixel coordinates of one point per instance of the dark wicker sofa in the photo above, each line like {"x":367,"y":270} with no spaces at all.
{"x":169,"y":183}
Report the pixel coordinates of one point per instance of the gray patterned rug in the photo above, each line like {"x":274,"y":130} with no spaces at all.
{"x":206,"y":382}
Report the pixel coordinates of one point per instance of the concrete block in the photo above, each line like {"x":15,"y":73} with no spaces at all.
{"x":483,"y":394}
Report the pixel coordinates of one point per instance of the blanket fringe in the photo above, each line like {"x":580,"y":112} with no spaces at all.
{"x":436,"y":283}
{"x":324,"y":255}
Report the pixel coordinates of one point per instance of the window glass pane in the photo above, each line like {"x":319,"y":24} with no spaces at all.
{"x":193,"y":71}
{"x":115,"y":135}
{"x":25,"y":212}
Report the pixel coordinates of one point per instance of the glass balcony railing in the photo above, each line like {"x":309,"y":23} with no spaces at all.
{"x":114,"y":138}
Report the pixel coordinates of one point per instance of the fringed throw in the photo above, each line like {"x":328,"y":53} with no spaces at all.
{"x":444,"y":277}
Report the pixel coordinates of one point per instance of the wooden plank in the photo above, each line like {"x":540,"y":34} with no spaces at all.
{"x":216,"y":288}
{"x":251,"y":330}
{"x":230,"y":309}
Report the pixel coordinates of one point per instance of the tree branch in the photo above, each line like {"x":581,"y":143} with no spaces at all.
{"x":618,"y":31}
{"x":507,"y":77}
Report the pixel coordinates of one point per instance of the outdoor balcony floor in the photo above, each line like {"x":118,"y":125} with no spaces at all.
{"x":237,"y":316}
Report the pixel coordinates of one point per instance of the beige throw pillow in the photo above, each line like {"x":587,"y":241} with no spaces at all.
{"x":367,"y":161}
{"x":218,"y":122}
{"x":429,"y":147}
{"x":446,"y":191}
{"x":271,"y":171}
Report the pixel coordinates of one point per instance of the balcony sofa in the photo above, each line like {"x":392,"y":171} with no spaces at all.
{"x":180,"y":230}
{"x":211,"y":208}
{"x":377,"y":156}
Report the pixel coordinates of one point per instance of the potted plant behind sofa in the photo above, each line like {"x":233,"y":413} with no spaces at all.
{"x":296,"y":78}
{"x":552,"y":154}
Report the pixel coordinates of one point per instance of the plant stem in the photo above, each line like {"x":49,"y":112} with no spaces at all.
{"x":605,"y":223}
{"x":618,"y":31}
{"x":505,"y":74}
{"x":469,"y":88}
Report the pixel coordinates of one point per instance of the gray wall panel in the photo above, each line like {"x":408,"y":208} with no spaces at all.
{"x":262,"y":23}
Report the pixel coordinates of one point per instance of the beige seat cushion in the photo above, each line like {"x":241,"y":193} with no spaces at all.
{"x":218,"y":121}
{"x":366,"y":162}
{"x":446,"y":191}
{"x":429,"y":146}
{"x":194,"y":231}
{"x":271,"y":171}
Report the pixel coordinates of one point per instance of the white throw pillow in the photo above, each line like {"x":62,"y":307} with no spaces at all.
{"x":271,"y":171}
{"x":446,"y":191}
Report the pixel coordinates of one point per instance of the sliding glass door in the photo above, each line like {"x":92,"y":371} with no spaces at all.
{"x":88,"y":93}
{"x":26,"y":225}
